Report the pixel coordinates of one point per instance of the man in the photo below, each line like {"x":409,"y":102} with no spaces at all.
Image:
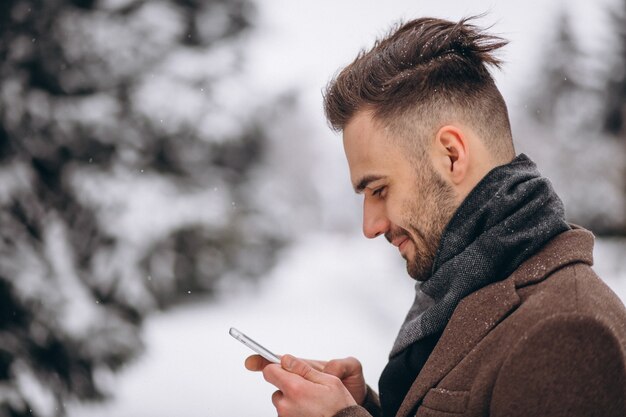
{"x":508,"y":319}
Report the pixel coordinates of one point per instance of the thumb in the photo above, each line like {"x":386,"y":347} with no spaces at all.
{"x":337,"y":368}
{"x":344,"y":368}
{"x":300,"y":367}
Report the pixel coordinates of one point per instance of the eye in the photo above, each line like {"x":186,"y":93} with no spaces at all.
{"x":379,"y":191}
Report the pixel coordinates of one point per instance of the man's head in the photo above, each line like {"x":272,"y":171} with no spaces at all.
{"x":423,"y":122}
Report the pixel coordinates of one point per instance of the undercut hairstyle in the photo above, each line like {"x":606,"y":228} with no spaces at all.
{"x":424,"y":74}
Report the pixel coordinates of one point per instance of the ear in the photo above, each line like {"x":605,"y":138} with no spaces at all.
{"x":452,"y":153}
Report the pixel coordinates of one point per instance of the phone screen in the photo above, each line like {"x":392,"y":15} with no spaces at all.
{"x":254,"y":345}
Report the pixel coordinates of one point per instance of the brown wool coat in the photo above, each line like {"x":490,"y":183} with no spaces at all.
{"x":549,"y":340}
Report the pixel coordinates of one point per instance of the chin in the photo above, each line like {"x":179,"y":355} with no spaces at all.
{"x":419,"y":272}
{"x":415,"y":273}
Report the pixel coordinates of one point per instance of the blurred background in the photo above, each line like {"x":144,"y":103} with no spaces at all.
{"x":166,"y":173}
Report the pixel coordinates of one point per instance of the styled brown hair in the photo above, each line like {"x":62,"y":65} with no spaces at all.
{"x":425,"y":73}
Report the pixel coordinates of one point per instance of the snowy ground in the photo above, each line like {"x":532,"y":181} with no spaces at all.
{"x":331,"y":296}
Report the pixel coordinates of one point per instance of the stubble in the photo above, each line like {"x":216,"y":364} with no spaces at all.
{"x":428,"y":214}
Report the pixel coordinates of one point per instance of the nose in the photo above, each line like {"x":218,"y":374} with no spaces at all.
{"x":375,"y":221}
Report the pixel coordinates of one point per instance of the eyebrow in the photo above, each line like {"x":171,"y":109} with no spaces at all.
{"x":365,"y":181}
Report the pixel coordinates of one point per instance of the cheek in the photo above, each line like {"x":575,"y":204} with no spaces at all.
{"x":414,"y":219}
{"x":396,"y":212}
{"x":404,"y":216}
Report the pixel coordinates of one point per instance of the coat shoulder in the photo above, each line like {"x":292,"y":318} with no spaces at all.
{"x":566,"y":365}
{"x":567,"y":349}
{"x":574,"y":290}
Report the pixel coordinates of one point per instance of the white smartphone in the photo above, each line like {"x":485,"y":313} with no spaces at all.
{"x":254,"y":345}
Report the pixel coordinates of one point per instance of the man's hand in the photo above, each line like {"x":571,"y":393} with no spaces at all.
{"x":348,"y":370}
{"x":304,"y":389}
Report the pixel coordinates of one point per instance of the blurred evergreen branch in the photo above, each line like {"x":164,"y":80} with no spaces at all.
{"x":615,"y":98}
{"x":99,"y":102}
{"x":574,"y":123}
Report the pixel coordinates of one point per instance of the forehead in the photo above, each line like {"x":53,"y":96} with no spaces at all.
{"x":370,"y":149}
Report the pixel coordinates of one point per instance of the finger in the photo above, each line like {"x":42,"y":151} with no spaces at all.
{"x":342,"y":368}
{"x":302,"y":368}
{"x":336,"y":368}
{"x":315,"y":364}
{"x":277,"y":376}
{"x":277,"y":397}
{"x":256,"y":363}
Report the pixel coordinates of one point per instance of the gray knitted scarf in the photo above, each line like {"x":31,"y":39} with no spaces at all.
{"x":505,"y":219}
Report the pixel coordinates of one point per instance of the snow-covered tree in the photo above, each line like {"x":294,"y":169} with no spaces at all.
{"x":129,"y":140}
{"x":615,"y":98}
{"x":562,"y":130}
{"x":615,"y":92}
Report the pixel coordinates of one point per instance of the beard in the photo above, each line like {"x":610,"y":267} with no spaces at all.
{"x":426,"y":217}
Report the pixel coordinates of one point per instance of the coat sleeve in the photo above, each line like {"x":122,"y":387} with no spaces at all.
{"x":566,"y":365}
{"x":369,"y":408}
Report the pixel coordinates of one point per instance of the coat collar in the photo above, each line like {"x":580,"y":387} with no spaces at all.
{"x":478,"y":313}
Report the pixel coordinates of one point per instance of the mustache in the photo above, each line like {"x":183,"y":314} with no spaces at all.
{"x":393,"y":234}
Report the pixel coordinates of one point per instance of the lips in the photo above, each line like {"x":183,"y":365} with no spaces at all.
{"x":399,"y":241}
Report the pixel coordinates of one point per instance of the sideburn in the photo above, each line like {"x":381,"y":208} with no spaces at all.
{"x":429,"y":214}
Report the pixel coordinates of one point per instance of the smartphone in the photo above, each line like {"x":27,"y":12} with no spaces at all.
{"x":253,"y":345}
